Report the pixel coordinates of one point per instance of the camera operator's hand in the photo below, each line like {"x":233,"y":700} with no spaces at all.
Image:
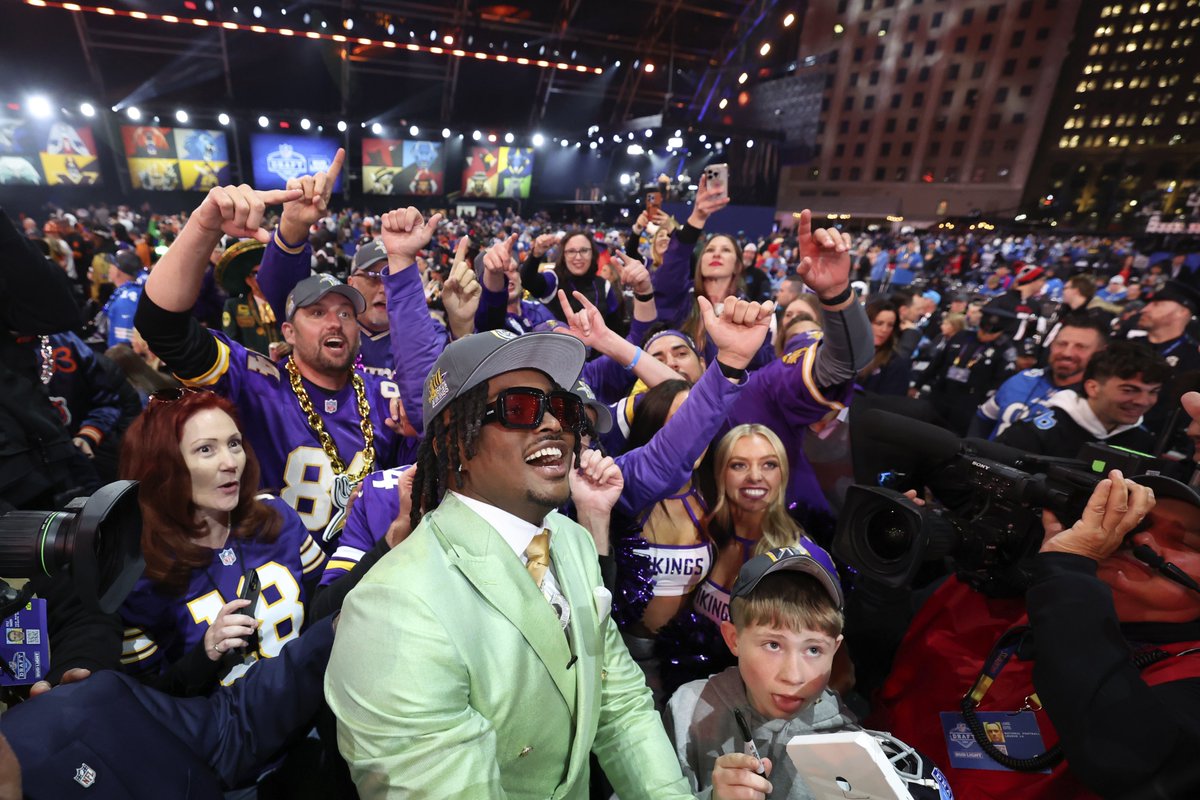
{"x":1116,"y":507}
{"x":1191,"y":404}
{"x":70,"y":676}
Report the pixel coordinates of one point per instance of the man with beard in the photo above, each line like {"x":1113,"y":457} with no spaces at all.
{"x":1120,"y":384}
{"x":316,"y":425}
{"x":1024,"y":395}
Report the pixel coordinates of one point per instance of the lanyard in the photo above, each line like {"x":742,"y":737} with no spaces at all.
{"x":1172,"y":348}
{"x":973,"y":359}
{"x":1002,"y":651}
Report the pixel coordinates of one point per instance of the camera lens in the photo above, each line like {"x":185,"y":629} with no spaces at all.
{"x":888,"y":535}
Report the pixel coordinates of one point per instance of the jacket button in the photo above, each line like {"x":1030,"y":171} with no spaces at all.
{"x":526,"y":750}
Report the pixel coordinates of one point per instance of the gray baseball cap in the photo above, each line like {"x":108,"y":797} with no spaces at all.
{"x":368,"y":255}
{"x":470,"y":361}
{"x":806,"y":557}
{"x":313,"y":288}
{"x":604,"y":418}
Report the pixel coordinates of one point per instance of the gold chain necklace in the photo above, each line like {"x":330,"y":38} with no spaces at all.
{"x":318,"y":425}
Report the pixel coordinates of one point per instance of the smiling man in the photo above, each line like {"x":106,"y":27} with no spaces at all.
{"x":503,"y":669}
{"x":1120,"y":384}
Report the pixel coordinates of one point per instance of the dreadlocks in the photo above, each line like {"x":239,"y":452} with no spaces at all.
{"x":441,"y":451}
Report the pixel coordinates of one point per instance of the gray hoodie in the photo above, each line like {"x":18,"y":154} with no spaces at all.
{"x":699,"y":720}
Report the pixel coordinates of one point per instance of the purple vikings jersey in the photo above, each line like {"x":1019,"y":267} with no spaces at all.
{"x":368,"y":521}
{"x":161,"y":628}
{"x":375,"y":353}
{"x":785,"y":397}
{"x":289,"y":453}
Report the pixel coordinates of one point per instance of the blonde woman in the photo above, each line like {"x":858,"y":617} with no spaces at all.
{"x":750,"y":468}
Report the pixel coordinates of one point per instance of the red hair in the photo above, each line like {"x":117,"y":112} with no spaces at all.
{"x":150,"y":454}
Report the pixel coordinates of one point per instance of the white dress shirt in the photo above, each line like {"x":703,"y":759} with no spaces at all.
{"x":517,"y":534}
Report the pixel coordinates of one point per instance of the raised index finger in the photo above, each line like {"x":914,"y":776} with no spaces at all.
{"x":460,"y":252}
{"x":804,"y":226}
{"x":335,"y":168}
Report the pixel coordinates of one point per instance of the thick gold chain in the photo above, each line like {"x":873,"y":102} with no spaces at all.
{"x":318,"y":425}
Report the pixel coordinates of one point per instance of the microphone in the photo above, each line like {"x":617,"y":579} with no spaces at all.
{"x":1147,"y":555}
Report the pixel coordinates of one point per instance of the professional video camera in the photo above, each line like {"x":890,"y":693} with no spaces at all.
{"x":96,"y":539}
{"x":990,"y":523}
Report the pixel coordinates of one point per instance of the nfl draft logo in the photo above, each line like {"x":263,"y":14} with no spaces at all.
{"x":286,"y":162}
{"x":961,"y":735}
{"x":85,"y":776}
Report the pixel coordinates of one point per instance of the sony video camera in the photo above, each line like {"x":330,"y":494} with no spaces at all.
{"x":991,"y":495}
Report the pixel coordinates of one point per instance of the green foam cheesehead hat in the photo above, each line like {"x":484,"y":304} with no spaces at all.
{"x":236,"y":264}
{"x":470,"y":361}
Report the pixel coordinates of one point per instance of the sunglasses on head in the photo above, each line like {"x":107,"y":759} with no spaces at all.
{"x":523,"y":408}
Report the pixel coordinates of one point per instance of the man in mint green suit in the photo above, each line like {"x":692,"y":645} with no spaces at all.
{"x":465,"y":665}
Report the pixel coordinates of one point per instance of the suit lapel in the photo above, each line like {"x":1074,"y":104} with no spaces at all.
{"x":484,"y":558}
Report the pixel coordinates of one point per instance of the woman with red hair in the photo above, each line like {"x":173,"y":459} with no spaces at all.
{"x":196,"y":618}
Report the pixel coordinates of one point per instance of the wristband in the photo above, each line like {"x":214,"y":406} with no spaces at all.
{"x":287,"y":246}
{"x":842,"y":297}
{"x":644,"y":298}
{"x":733,"y":373}
{"x":636,"y":357}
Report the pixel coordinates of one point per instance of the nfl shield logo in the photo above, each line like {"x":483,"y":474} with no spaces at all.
{"x":331,"y":406}
{"x":85,"y":776}
{"x":228,"y":557}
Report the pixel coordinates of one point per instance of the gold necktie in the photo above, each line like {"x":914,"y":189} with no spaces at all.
{"x":538,"y":555}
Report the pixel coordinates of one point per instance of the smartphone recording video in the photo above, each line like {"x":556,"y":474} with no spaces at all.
{"x":717,"y":178}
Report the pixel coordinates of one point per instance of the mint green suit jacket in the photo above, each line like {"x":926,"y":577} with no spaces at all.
{"x":451,"y":677}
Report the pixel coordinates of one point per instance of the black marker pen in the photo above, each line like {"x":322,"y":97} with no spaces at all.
{"x":745,"y":729}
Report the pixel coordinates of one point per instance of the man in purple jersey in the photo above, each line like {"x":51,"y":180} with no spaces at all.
{"x":288,"y":260}
{"x":304,"y":417}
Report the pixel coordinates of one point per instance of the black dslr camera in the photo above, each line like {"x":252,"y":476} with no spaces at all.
{"x":990,"y":523}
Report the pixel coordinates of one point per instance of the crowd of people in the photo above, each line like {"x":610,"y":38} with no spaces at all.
{"x":357,"y":440}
